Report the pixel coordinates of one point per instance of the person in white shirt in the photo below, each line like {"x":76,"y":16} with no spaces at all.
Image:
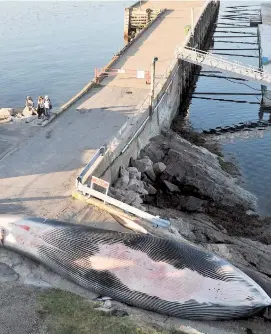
{"x":47,"y":106}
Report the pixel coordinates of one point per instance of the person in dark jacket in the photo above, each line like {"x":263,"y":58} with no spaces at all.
{"x":41,"y":108}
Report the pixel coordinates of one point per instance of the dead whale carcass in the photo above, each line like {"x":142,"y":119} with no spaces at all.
{"x":169,"y":277}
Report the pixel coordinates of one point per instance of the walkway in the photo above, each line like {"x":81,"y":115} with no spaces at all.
{"x":124,"y":93}
{"x":207,"y":59}
{"x":37,"y":178}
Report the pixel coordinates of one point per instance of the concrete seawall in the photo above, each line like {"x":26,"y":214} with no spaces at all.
{"x":169,"y":94}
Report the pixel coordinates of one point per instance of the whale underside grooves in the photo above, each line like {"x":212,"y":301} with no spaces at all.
{"x":173,"y":278}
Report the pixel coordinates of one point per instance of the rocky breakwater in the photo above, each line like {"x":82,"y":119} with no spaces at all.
{"x":187,"y":184}
{"x":173,"y":173}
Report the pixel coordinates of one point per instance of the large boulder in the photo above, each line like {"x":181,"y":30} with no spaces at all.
{"x":200,"y":173}
{"x":142,"y":165}
{"x":149,"y":188}
{"x":193,"y":204}
{"x":154,"y":151}
{"x":6,"y":113}
{"x":171,"y":187}
{"x":137,"y":186}
{"x":159,"y":167}
{"x":137,"y":203}
{"x":126,"y":196}
{"x":134,"y":173}
{"x":123,"y":171}
{"x":151,"y":175}
{"x":122,"y":182}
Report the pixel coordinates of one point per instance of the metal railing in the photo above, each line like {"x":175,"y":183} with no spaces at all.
{"x":101,"y":73}
{"x":203,"y":58}
{"x":100,"y":152}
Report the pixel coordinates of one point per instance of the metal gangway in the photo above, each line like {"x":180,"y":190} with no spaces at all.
{"x":207,"y":59}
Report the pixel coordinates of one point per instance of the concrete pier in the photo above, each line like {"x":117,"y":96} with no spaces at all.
{"x":38,"y":173}
{"x":129,"y":97}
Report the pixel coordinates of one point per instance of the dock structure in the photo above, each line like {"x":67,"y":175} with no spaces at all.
{"x":137,"y":17}
{"x":265,"y":37}
{"x":121,"y":112}
{"x":207,"y":59}
{"x":124,"y":89}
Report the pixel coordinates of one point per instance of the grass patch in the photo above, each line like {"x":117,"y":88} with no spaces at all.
{"x":67,"y":313}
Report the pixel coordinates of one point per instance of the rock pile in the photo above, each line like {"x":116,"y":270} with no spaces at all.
{"x":172,"y":172}
{"x":134,"y":184}
{"x":11,"y":115}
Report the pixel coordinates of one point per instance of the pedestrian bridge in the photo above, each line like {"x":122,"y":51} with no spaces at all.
{"x":207,"y":59}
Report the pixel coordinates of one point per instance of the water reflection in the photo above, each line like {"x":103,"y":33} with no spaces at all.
{"x":230,"y":103}
{"x":52,"y":47}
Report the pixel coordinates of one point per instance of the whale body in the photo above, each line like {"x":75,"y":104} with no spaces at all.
{"x":172,"y":278}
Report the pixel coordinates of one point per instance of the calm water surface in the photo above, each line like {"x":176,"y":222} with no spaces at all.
{"x":53,"y":47}
{"x":252,"y":152}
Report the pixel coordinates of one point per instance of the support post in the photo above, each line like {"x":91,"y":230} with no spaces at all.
{"x":152,"y":84}
{"x":192,"y":21}
{"x":127,"y":23}
{"x":96,"y":75}
{"x":260,"y":65}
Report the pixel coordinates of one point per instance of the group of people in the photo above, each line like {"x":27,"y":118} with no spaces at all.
{"x":44,"y":106}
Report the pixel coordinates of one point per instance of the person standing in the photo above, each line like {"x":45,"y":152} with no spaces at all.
{"x":41,"y":108}
{"x":47,"y":106}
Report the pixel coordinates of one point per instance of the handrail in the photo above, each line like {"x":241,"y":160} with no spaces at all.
{"x":155,"y":220}
{"x":225,"y":60}
{"x":204,"y":58}
{"x":100,"y":152}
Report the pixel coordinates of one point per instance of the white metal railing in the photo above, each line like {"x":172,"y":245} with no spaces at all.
{"x":155,"y":220}
{"x":203,"y":58}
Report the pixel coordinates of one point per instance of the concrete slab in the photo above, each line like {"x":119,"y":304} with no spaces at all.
{"x":122,"y":100}
{"x":160,"y":40}
{"x":13,"y":135}
{"x":38,"y":178}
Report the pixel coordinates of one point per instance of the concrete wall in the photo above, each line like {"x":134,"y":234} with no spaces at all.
{"x":136,"y":133}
